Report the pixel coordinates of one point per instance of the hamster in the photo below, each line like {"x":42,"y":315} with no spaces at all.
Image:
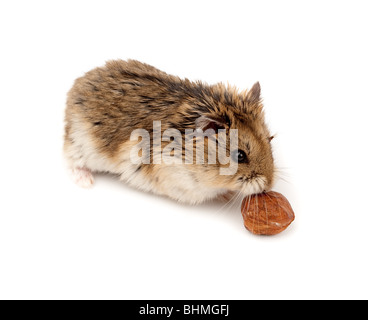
{"x":106,"y":104}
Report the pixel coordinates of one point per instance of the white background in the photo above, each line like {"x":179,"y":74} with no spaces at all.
{"x":58,"y":241}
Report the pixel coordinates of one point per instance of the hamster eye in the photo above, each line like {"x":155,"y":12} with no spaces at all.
{"x":240,"y":156}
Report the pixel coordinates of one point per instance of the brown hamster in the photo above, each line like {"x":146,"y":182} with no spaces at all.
{"x":108,"y":103}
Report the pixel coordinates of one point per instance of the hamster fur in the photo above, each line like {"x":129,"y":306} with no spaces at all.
{"x":107,"y":103}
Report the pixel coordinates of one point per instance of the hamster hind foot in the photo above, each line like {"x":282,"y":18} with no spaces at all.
{"x":82,"y":177}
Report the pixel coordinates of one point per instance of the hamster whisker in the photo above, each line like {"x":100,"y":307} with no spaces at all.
{"x":283,"y":179}
{"x":230,"y":204}
{"x":236,"y":201}
{"x":283,"y":168}
{"x":257,"y":208}
{"x":224,"y":205}
{"x":247,"y":202}
{"x":280,"y":173}
{"x":281,"y":176}
{"x":272,"y":199}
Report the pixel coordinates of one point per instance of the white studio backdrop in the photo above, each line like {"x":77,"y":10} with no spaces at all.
{"x":58,"y":241}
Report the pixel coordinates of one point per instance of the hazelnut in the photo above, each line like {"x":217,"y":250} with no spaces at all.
{"x":267,"y":213}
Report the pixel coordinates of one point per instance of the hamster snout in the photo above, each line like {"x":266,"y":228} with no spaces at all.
{"x":186,"y":140}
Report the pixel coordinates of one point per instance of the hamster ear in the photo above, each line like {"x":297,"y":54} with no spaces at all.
{"x":254,"y":94}
{"x":205,"y":123}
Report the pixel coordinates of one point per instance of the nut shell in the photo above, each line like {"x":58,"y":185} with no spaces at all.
{"x":267,"y":213}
